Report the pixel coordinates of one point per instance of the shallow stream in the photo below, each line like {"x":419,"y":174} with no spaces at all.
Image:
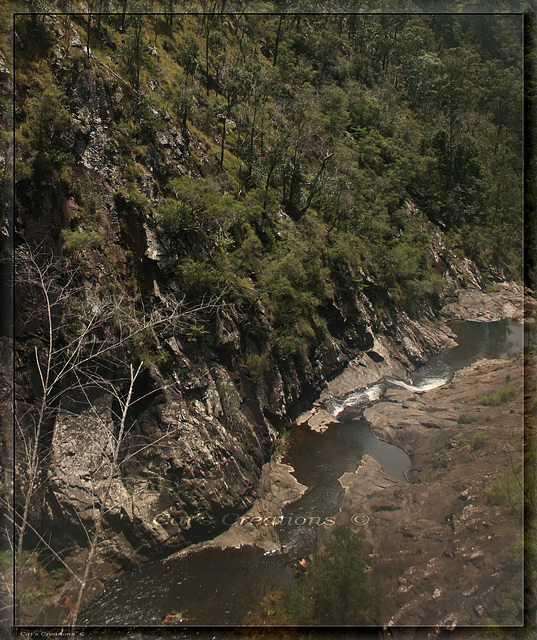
{"x":219,"y":586}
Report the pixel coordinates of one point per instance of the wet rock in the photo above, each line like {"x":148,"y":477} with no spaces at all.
{"x":319,"y":420}
{"x":398,"y":395}
{"x":277,"y":488}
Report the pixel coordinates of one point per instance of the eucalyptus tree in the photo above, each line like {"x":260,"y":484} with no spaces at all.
{"x":188,"y":59}
{"x":133,"y":50}
{"x":235,"y":89}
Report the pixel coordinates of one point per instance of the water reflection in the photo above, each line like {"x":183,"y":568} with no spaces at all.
{"x":218,"y":587}
{"x":475,"y":341}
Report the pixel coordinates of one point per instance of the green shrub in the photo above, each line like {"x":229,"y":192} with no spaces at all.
{"x":199,"y":279}
{"x":136,"y":197}
{"x":200,"y":200}
{"x":507,"y":608}
{"x":478,"y":440}
{"x":335,"y":588}
{"x":506,"y":491}
{"x":133,"y":170}
{"x":499,"y":397}
{"x":286,"y":347}
{"x":258,"y":366}
{"x":148,"y":351}
{"x":196,"y":332}
{"x":47,"y":581}
{"x":466,"y":418}
{"x":48,"y":123}
{"x":6,"y":560}
{"x":283,"y":443}
{"x":22,"y":171}
{"x":269,"y":611}
{"x":87,"y":196}
{"x":175,"y":218}
{"x":75,"y":242}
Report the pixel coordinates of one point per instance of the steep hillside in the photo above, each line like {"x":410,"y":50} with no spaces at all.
{"x":214,"y":214}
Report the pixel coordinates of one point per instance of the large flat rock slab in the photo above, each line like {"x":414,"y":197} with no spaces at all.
{"x":439,"y":544}
{"x":277,"y":488}
{"x":504,"y":300}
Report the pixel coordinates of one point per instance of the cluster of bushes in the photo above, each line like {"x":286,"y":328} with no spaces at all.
{"x":334,"y":590}
{"x":497,"y":398}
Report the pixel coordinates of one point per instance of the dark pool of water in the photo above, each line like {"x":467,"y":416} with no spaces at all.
{"x":218,"y":587}
{"x":210,"y":587}
{"x":318,"y":460}
{"x":475,"y":341}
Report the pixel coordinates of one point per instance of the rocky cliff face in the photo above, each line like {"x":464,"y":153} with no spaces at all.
{"x":202,"y":426}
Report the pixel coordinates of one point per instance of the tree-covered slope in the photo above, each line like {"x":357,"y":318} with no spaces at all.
{"x":318,"y":147}
{"x":213,"y":214}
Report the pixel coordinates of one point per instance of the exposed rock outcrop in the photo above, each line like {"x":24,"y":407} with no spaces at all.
{"x":201,"y":431}
{"x":277,"y":487}
{"x":439,"y":545}
{"x":503,"y":300}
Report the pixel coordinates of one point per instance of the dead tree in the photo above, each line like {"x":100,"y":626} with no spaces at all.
{"x":73,"y":335}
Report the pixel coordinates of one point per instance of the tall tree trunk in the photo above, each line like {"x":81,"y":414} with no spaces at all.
{"x":123,"y":14}
{"x":450,"y":139}
{"x":90,"y":10}
{"x":99,"y":15}
{"x":276,"y":44}
{"x":138,"y":36}
{"x":67,"y":27}
{"x":223,"y":141}
{"x":267,"y":184}
{"x":207,"y":55}
{"x":252,"y":135}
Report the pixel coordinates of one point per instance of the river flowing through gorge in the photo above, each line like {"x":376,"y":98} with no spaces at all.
{"x":219,"y":586}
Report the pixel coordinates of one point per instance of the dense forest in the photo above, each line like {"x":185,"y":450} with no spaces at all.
{"x":210,"y":195}
{"x":324,"y":146}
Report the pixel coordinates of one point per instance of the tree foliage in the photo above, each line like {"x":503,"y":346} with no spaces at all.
{"x":333,"y":591}
{"x":298,"y":165}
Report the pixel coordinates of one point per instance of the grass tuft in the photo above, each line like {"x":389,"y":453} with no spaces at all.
{"x":466,"y":418}
{"x":499,"y":397}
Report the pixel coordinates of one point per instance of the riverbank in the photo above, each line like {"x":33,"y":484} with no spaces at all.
{"x":442,"y":545}
{"x":277,"y":488}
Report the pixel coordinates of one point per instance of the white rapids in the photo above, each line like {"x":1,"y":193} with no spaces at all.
{"x":362,"y":398}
